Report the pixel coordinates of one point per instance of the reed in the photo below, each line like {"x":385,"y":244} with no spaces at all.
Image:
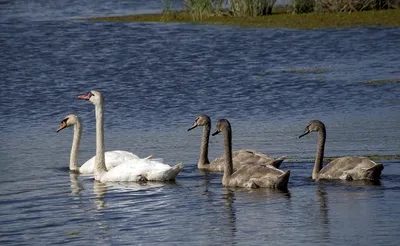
{"x":167,"y":8}
{"x":307,"y":6}
{"x":199,"y":8}
{"x":251,"y":8}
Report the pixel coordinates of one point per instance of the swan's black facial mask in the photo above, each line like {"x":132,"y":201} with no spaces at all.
{"x":63,"y":124}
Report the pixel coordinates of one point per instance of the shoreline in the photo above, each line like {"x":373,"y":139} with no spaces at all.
{"x":380,"y":18}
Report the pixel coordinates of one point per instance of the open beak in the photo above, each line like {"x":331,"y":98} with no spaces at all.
{"x":215,"y":133}
{"x":193,"y":126}
{"x":63,"y":125}
{"x":85,"y":97}
{"x":305,"y":133}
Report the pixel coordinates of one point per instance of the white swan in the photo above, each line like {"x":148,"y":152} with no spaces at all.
{"x":112,"y":158}
{"x":249,"y":176}
{"x":345,"y":168}
{"x":240,"y":157}
{"x":132,"y":170}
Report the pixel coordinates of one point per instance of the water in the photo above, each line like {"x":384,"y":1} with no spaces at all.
{"x":156,"y":78}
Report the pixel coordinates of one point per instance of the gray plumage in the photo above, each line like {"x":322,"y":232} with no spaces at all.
{"x":240,"y":158}
{"x":249,"y":176}
{"x":345,"y":168}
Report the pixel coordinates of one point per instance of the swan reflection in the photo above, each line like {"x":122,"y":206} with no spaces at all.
{"x":76,"y":186}
{"x":101,"y":189}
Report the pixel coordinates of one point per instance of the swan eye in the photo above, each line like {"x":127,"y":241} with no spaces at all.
{"x":91,"y":94}
{"x":65,"y":120}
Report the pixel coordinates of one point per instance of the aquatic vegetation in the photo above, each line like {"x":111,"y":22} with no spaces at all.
{"x":377,"y":157}
{"x":322,"y":78}
{"x":282,"y":20}
{"x":374,"y":157}
{"x":380,"y":81}
{"x":309,"y":70}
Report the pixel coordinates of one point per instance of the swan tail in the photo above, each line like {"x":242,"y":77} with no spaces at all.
{"x":282,"y":181}
{"x":278,"y":161}
{"x":148,"y":157}
{"x":178,"y":167}
{"x":374,"y":173}
{"x":175,"y":170}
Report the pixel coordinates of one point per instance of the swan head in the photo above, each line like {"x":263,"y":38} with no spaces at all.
{"x":92,"y":96}
{"x":69,"y":120}
{"x":313,"y":126}
{"x":201,"y":120}
{"x":222,"y":125}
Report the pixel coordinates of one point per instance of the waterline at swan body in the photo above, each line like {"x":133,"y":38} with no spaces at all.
{"x":344,"y":168}
{"x":249,"y":176}
{"x":240,"y":158}
{"x":112,"y":158}
{"x":134,"y":170}
{"x":139,"y":170}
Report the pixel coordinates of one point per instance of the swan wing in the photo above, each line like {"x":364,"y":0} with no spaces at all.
{"x":347,"y":167}
{"x":245,"y":157}
{"x":259,"y":176}
{"x":252,"y":157}
{"x":135,"y":170}
{"x":112,"y":159}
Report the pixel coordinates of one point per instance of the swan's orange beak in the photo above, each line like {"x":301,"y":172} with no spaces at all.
{"x":85,"y":97}
{"x":63,"y":125}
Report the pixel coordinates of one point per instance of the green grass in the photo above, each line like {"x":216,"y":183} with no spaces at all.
{"x":381,"y":18}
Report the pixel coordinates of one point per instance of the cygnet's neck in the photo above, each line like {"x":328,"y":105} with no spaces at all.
{"x":203,"y":161}
{"x":228,"y":169}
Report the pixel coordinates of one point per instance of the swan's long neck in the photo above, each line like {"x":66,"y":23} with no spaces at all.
{"x":320,"y":152}
{"x":228,"y":169}
{"x":204,"y":146}
{"x":100,"y":165}
{"x":73,"y":160}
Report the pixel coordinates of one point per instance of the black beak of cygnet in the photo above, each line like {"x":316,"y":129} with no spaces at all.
{"x":306,"y":131}
{"x":193,"y":126}
{"x":216,"y":132}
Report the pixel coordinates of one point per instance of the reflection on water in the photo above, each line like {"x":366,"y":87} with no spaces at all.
{"x":229,"y":215}
{"x":323,"y":210}
{"x":76,"y":186}
{"x":99,"y":190}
